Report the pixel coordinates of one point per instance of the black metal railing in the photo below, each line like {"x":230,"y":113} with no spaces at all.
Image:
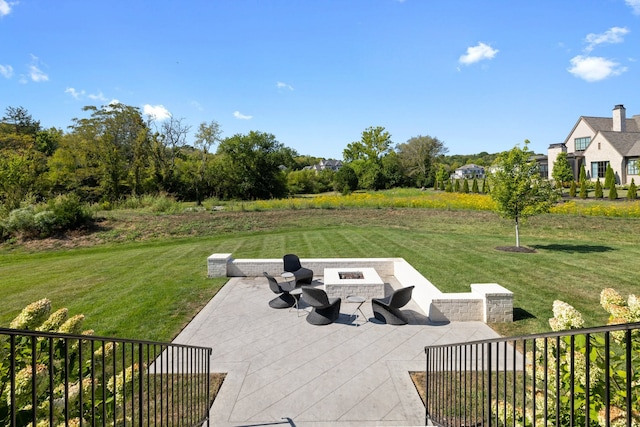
{"x":579,"y":377}
{"x":51,"y":379}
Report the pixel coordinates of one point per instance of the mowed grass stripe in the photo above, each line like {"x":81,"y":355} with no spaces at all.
{"x":151,"y":289}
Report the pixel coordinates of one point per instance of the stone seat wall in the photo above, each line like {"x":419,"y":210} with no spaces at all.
{"x":489,"y":303}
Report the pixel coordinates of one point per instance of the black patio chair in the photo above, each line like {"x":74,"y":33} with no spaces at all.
{"x":325,"y":310}
{"x":388,"y":309}
{"x":292,"y":265}
{"x":284,"y":298}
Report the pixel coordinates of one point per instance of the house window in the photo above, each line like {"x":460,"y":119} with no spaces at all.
{"x":598,"y":169}
{"x":633,"y":167}
{"x":582,"y":143}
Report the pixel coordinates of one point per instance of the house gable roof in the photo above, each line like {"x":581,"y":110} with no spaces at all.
{"x":625,"y":143}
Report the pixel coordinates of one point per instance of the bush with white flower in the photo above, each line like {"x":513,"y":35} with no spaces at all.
{"x":59,"y":361}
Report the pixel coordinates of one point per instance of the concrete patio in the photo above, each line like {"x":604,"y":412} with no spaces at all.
{"x":283,"y":371}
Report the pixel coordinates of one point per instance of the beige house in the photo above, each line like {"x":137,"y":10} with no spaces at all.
{"x":600,"y":141}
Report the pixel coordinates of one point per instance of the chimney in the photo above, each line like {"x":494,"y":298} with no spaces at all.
{"x":619,"y":118}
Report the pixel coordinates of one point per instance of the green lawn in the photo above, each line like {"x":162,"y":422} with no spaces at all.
{"x":149,"y":278}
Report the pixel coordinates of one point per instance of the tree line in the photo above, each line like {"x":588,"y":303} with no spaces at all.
{"x":114,"y":151}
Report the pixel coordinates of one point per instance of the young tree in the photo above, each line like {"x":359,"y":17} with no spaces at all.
{"x":517,"y":187}
{"x":613,"y":192}
{"x":609,"y":177}
{"x":474,"y":186}
{"x":583,"y":173}
{"x":456,"y":186}
{"x":485,"y":186}
{"x":572,"y":189}
{"x":583,"y":189}
{"x":465,"y":186}
{"x":562,"y":172}
{"x":598,"y":193}
{"x":632,"y":192}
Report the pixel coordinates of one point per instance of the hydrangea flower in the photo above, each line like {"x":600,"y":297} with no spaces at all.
{"x":565,"y":317}
{"x":54,"y":321}
{"x":32,"y":315}
{"x":609,"y":297}
{"x":73,"y":325}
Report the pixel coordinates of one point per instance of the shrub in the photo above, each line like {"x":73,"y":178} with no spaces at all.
{"x":583,"y":189}
{"x":53,"y":380}
{"x":474,"y":186}
{"x":21,"y":221}
{"x":69,"y":211}
{"x":598,"y":193}
{"x":465,"y":186}
{"x":572,"y":189}
{"x":46,"y":222}
{"x":613,"y":192}
{"x":632,"y":192}
{"x":571,"y":365}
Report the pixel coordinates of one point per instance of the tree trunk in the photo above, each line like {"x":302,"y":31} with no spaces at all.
{"x":517,"y":234}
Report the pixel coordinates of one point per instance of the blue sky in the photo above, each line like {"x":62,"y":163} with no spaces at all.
{"x":478,"y":75}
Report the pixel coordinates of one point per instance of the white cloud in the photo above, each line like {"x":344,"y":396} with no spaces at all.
{"x":96,"y":96}
{"x":37,"y":75}
{"x":594,"y":68}
{"x":5,"y":8}
{"x":6,"y":70}
{"x":74,"y":93}
{"x":240,"y":116}
{"x":156,"y":112}
{"x":635,"y":5}
{"x":611,"y":36}
{"x":282,"y":85}
{"x":478,"y":53}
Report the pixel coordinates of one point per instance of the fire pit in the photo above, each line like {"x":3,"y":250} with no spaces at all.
{"x":342,"y":282}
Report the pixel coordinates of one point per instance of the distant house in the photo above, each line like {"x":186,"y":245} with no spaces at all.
{"x":468,"y":172}
{"x":597,"y":142}
{"x":331,"y":164}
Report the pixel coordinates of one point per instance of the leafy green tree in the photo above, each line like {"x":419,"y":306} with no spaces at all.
{"x":632,"y":192}
{"x":517,"y":187}
{"x":572,"y":189}
{"x":249,"y":167}
{"x":583,"y":189}
{"x":365,"y":157}
{"x":613,"y":192}
{"x":598,"y":193}
{"x":609,"y":177}
{"x":456,"y":186}
{"x":375,"y":142}
{"x":109,"y":151}
{"x":562,"y":172}
{"x":345,"y":180}
{"x":392,"y":171}
{"x":417,"y":157}
{"x":22,"y":164}
{"x":166,"y":146}
{"x":207,"y":136}
{"x":465,"y":186}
